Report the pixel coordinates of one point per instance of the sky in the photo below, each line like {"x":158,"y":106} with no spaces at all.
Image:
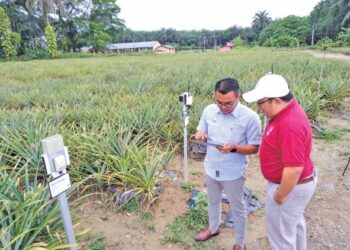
{"x":205,"y":14}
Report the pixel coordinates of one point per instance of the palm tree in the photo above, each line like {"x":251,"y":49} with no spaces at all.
{"x":260,"y":20}
{"x":347,"y":16}
{"x":45,"y":7}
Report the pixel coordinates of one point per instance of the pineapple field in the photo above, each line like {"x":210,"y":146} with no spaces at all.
{"x":120,"y":118}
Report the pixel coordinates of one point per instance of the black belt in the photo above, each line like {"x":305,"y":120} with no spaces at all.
{"x":306,"y":180}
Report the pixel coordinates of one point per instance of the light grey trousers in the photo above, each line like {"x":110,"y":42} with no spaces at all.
{"x":234,"y":191}
{"x":285,"y":223}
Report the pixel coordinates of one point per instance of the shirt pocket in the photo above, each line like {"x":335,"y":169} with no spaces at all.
{"x":216,"y":133}
{"x":237,"y":133}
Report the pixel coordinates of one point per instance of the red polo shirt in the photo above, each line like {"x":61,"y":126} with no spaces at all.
{"x":286,"y":141}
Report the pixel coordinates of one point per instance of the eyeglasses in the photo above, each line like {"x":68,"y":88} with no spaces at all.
{"x":224,"y":104}
{"x":262,"y":102}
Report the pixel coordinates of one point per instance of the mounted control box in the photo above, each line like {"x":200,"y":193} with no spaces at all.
{"x":55,"y":156}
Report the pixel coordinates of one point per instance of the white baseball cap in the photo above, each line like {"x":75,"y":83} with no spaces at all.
{"x":270,"y":85}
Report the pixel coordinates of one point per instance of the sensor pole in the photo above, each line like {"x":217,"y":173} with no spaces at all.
{"x":186,"y":120}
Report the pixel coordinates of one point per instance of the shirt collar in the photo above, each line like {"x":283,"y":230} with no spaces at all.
{"x":234,"y":112}
{"x":285,"y":111}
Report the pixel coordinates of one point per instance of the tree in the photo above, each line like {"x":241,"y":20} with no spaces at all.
{"x":343,"y":38}
{"x":261,"y":19}
{"x":105,"y":12}
{"x":51,"y":41}
{"x":44,"y":8}
{"x":5,"y":36}
{"x":102,"y":25}
{"x":291,"y":26}
{"x":347,"y":16}
{"x":329,"y":16}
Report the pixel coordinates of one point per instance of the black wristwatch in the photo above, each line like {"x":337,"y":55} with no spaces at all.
{"x":233,"y":150}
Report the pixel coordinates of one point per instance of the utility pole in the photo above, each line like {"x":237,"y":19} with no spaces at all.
{"x":214,"y":41}
{"x":313,"y":34}
{"x":204,"y":43}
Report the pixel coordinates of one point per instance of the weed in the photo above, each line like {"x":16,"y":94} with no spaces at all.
{"x":151,"y":226}
{"x":329,"y":135}
{"x":98,"y":243}
{"x":146,"y":216}
{"x":194,"y":172}
{"x":182,"y":231}
{"x":346,"y":153}
{"x":186,"y":186}
{"x":131,"y":206}
{"x":345,"y":130}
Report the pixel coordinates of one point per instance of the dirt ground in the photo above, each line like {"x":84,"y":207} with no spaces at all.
{"x":327,"y":216}
{"x":337,"y":56}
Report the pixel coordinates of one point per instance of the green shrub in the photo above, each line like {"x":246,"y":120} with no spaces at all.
{"x":74,"y":55}
{"x":285,"y":41}
{"x":238,"y":42}
{"x":51,"y":41}
{"x":326,"y":43}
{"x":16,"y":39}
{"x":343,"y":38}
{"x":34,"y":54}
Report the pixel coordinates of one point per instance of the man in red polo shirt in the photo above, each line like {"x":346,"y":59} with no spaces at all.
{"x":285,"y":162}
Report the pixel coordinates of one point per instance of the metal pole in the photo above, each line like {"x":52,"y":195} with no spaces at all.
{"x":313,"y":34}
{"x":67,"y":220}
{"x":346,"y":167}
{"x":185,"y":117}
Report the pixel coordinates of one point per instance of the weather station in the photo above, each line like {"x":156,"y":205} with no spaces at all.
{"x":56,"y":159}
{"x":187,"y":101}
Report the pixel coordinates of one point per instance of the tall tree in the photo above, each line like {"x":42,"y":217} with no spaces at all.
{"x":102,"y":25}
{"x":44,"y":8}
{"x":51,"y":41}
{"x":347,"y":16}
{"x":260,"y":20}
{"x":328,"y":17}
{"x":5,"y":36}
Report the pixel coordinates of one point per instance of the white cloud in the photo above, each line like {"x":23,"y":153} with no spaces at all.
{"x":205,"y":14}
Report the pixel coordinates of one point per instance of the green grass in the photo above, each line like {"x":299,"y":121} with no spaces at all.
{"x":187,"y":186}
{"x":183,"y":229}
{"x":331,"y":135}
{"x":98,"y":243}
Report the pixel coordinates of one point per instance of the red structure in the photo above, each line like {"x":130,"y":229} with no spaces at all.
{"x":227,"y":47}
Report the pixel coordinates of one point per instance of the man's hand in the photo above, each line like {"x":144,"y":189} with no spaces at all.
{"x":226,"y":148}
{"x":278,"y":197}
{"x":200,"y":135}
{"x":290,"y":177}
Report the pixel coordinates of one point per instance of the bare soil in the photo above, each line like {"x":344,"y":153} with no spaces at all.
{"x":327,"y":216}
